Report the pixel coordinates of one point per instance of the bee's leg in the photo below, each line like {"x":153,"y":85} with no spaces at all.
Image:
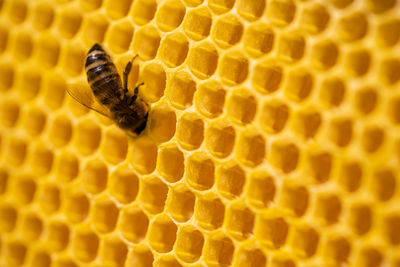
{"x":135,"y":94}
{"x":127,"y":70}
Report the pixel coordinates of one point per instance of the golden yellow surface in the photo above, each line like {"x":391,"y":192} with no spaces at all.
{"x":273,"y":137}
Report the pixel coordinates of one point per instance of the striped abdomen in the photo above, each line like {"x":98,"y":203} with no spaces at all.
{"x":103,"y":76}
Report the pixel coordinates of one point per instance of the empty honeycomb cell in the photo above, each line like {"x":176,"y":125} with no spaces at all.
{"x":94,"y":29}
{"x":162,"y":234}
{"x":170,"y":15}
{"x":24,"y":188}
{"x":76,"y":206}
{"x":162,"y":123}
{"x":29,"y":84}
{"x":69,"y":22}
{"x":281,"y":12}
{"x":291,"y":47}
{"x":220,"y":6}
{"x":390,"y":71}
{"x":197,"y":23}
{"x":304,"y":241}
{"x":43,"y":15}
{"x":372,"y":138}
{"x":40,"y":259}
{"x":6,"y":76}
{"x":189,"y":244}
{"x":341,"y":131}
{"x":144,"y":155}
{"x":22,"y":46}
{"x":16,"y":151}
{"x":274,"y":115}
{"x":117,"y":10}
{"x":328,"y":208}
{"x":167,"y":261}
{"x":337,"y":250}
{"x":250,"y":10}
{"x":3,"y":38}
{"x":352,"y":27}
{"x":32,"y":227}
{"x":239,"y":221}
{"x":94,"y":175}
{"x":9,"y":113}
{"x":35,"y":121}
{"x":341,"y":3}
{"x":271,"y":230}
{"x":154,"y":79}
{"x":284,"y":156}
{"x":57,"y":235}
{"x":388,"y":32}
{"x":8,"y":218}
{"x":366,"y":100}
{"x":123,"y":185}
{"x":54,"y":91}
{"x":358,"y":62}
{"x":391,"y":229}
{"x":146,"y":42}
{"x":133,"y":224}
{"x":227,"y":31}
{"x":42,"y":160}
{"x":307,"y":122}
{"x":315,"y":19}
{"x":104,"y":215}
{"x":203,"y":60}
{"x":394,"y":109}
{"x":332,"y":92}
{"x":114,"y":146}
{"x":174,"y":49}
{"x":251,"y":148}
{"x":230,"y":180}
{"x":258,"y":39}
{"x":361,"y":218}
{"x":3,"y":181}
{"x":267,"y":77}
{"x":90,"y":5}
{"x":249,"y":257}
{"x":299,"y":84}
{"x":383,"y":184}
{"x":241,"y":106}
{"x":153,"y":194}
{"x":14,"y":253}
{"x":140,"y":257}
{"x":67,"y":166}
{"x":180,"y":90}
{"x":351,"y":176}
{"x":180,"y":203}
{"x":64,"y":262}
{"x":210,"y":99}
{"x":47,"y":51}
{"x":119,"y":36}
{"x":17,"y":11}
{"x":324,"y":55}
{"x":260,"y":189}
{"x":220,"y":139}
{"x":295,"y":197}
{"x":73,"y":59}
{"x":143,"y":11}
{"x":60,"y":130}
{"x":380,"y":6}
{"x":170,"y":163}
{"x":282,"y":261}
{"x":49,"y":198}
{"x":369,"y":257}
{"x":87,"y":137}
{"x":199,"y":172}
{"x":233,"y":68}
{"x":209,"y":212}
{"x":190,"y":131}
{"x":218,"y":250}
{"x":85,"y":245}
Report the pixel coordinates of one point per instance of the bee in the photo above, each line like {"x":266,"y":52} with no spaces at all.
{"x":129,"y":112}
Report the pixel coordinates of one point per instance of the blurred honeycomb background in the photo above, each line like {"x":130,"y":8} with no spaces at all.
{"x":273,"y":138}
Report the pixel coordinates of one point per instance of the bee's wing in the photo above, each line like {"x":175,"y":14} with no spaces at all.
{"x":84,"y":95}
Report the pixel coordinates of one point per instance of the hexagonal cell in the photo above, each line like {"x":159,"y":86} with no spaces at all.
{"x":332,"y":92}
{"x":328,"y":208}
{"x":267,"y":77}
{"x":143,"y":11}
{"x":6,"y":76}
{"x":388,"y":32}
{"x":282,"y":261}
{"x":31,"y":227}
{"x":274,"y":115}
{"x":248,"y":256}
{"x":307,"y":122}
{"x":104,"y":215}
{"x":54,"y":91}
{"x":304,"y":241}
{"x":358,"y":62}
{"x":295,"y":197}
{"x":383,"y":184}
{"x":154,"y":79}
{"x":57,"y":236}
{"x":34,"y":121}
{"x":209,"y":212}
{"x":203,"y":60}
{"x":239,"y":221}
{"x":284,"y":156}
{"x":85,"y":245}
{"x":167,"y":261}
{"x":162,"y":123}
{"x":14,"y":253}
{"x":64,"y":262}
{"x":87,"y":137}
{"x":377,"y":6}
{"x":369,"y":257}
{"x":174,"y":49}
{"x":210,"y":99}
{"x":69,"y":22}
{"x":366,"y":100}
{"x":281,"y":12}
{"x":193,"y":3}
{"x":28,"y":84}
{"x":47,"y":51}
{"x":341,"y":3}
{"x":114,"y":147}
{"x":233,"y":68}
{"x":220,"y":6}
{"x":117,"y":10}
{"x":337,"y":250}
{"x":389,"y":71}
{"x":291,"y":47}
{"x":90,"y":5}
{"x":24,"y":188}
{"x":197,"y":23}
{"x":153,"y":193}
{"x":199,"y":171}
{"x":170,"y":163}
{"x":394,"y":109}
{"x":360,"y":218}
{"x":218,"y":250}
{"x":3,"y":181}
{"x":189,"y":244}
{"x":49,"y":198}
{"x":180,"y":90}
{"x":76,"y":206}
{"x":227,"y":31}
{"x":94,"y":176}
{"x":9,"y":113}
{"x":180,"y":203}
{"x":8,"y":218}
{"x":251,"y":148}
{"x":352,"y":27}
{"x":230,"y":179}
{"x":258,"y":39}
{"x":41,"y":160}
{"x":42,"y":15}
{"x":94,"y":28}
{"x":324,"y":54}
{"x":22,"y":45}
{"x":351,"y":176}
{"x":15,"y":151}
{"x":341,"y":131}
{"x":241,"y":106}
{"x":260,"y":189}
{"x":73,"y":59}
{"x":133,"y":224}
{"x":162,"y":234}
{"x":271,"y":230}
{"x":40,"y":258}
{"x":220,"y":139}
{"x":140,"y":257}
{"x":391,"y":229}
{"x":315,"y":19}
{"x":372,"y":138}
{"x":320,"y":164}
{"x":170,"y":15}
{"x":143,"y":156}
{"x":67,"y":166}
{"x":146,"y":42}
{"x":123,"y":185}
{"x":3,"y":38}
{"x":119,"y":36}
{"x":17,"y":11}
{"x":250,"y":10}
{"x":60,"y":131}
{"x":299,"y":84}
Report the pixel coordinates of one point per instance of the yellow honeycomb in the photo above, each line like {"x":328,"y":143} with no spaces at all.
{"x":273,"y":137}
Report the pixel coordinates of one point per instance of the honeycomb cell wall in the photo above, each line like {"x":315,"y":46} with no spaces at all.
{"x":273,"y":137}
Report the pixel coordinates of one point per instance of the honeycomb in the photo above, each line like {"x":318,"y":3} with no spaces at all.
{"x":273,"y":137}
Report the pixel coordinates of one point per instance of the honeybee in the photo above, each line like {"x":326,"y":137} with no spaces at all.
{"x":129,"y":112}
